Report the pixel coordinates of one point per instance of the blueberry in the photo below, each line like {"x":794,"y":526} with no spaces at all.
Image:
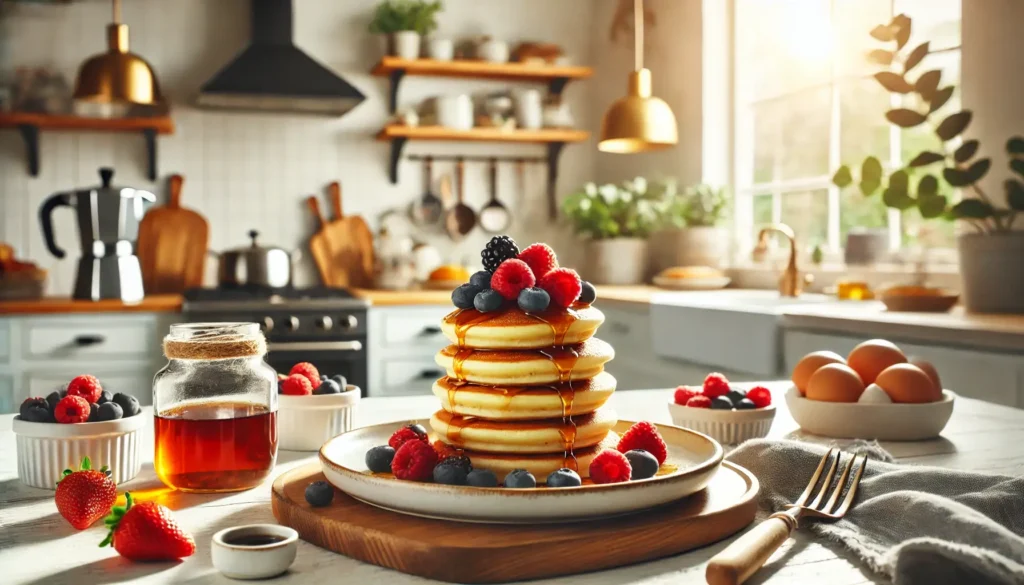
{"x":460,"y":461}
{"x":644,"y":464}
{"x":129,"y":404}
{"x":54,"y":397}
{"x":378,"y":459}
{"x":105,"y":396}
{"x":588,"y":294}
{"x":462,"y":297}
{"x":482,"y":478}
{"x":721,"y":403}
{"x":745,"y":404}
{"x":319,"y":494}
{"x":421,"y":431}
{"x":279,"y":383}
{"x":327,"y":387}
{"x":481,"y":279}
{"x":735,"y":396}
{"x":342,"y":382}
{"x":324,"y":377}
{"x":40,"y":414}
{"x":108,"y":411}
{"x":94,"y":409}
{"x":564,"y":477}
{"x":534,"y":299}
{"x":520,"y":478}
{"x":29,"y":403}
{"x":488,"y":300}
{"x":449,"y":472}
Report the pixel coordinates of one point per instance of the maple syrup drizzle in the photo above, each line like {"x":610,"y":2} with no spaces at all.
{"x":559,"y":322}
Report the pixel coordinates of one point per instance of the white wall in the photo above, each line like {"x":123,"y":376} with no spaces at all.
{"x":246,"y":170}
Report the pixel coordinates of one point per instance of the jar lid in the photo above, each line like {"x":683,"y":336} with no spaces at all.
{"x":214,"y":341}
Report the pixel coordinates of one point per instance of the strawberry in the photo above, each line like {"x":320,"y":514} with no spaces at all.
{"x":644,"y":435}
{"x":86,"y":495}
{"x":147,"y":532}
{"x":564,"y":286}
{"x":87,"y":387}
{"x":540,"y":258}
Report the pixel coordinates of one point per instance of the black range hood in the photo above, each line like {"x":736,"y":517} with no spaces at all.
{"x":272,"y":74}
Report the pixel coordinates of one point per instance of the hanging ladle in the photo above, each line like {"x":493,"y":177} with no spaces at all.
{"x":460,"y":219}
{"x":494,"y":217}
{"x":428,"y":209}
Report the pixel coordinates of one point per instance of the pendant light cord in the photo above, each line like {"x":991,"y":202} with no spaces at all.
{"x":117,"y":11}
{"x":638,"y":34}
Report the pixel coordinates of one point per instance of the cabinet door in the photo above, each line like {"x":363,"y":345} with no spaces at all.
{"x":413,"y":327}
{"x":407,"y":377}
{"x":90,"y":338}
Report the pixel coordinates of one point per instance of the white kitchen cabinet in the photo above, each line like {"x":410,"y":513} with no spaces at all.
{"x":402,"y":343}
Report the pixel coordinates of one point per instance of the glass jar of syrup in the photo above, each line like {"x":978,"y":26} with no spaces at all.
{"x":215,"y":404}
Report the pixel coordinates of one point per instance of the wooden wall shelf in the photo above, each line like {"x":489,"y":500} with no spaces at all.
{"x":29,"y":124}
{"x":556,"y":76}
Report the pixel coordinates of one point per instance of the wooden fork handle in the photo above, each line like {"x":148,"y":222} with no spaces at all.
{"x":748,"y":553}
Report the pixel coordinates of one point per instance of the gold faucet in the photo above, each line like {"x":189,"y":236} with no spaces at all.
{"x":790,"y":283}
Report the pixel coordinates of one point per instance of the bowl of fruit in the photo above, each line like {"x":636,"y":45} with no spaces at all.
{"x":722,"y":411}
{"x":313,"y":408}
{"x":81,"y":420}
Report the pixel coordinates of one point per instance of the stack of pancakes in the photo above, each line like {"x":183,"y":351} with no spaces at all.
{"x":525,"y":391}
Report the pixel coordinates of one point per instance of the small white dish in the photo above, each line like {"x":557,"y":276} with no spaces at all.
{"x":857,"y":420}
{"x":233,"y":557}
{"x":304,"y":423}
{"x":45,"y":450}
{"x":730,"y":427}
{"x":713,"y":283}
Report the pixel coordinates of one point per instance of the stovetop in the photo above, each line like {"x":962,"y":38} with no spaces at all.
{"x":264,"y":298}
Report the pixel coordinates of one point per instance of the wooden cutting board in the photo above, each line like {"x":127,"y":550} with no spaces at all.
{"x":491,"y":553}
{"x":343,"y":247}
{"x":172,"y":245}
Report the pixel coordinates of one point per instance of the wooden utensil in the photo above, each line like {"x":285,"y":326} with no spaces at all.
{"x":350,"y":245}
{"x":319,"y":246}
{"x":460,"y":219}
{"x":748,"y":553}
{"x":494,"y":217}
{"x":428,"y":209}
{"x":463,"y":552}
{"x":172,"y":245}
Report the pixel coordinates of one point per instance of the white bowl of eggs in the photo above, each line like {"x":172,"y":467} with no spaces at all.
{"x":876,"y":392}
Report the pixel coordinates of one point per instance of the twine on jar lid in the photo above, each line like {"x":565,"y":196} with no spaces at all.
{"x":215,"y":347}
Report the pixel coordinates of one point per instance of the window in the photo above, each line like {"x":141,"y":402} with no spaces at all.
{"x":806,"y":102}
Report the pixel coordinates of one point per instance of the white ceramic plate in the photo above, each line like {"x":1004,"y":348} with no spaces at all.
{"x":713,"y":283}
{"x":886,"y":422}
{"x":694,"y":456}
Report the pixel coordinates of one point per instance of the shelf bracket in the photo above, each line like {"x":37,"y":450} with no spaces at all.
{"x":397,"y":146}
{"x":557,"y":85}
{"x":150,"y":135}
{"x":30,"y":134}
{"x":395,"y":78}
{"x":554,"y":154}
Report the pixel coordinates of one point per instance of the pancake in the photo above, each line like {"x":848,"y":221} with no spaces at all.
{"x":515,"y":329}
{"x":540,"y":465}
{"x":531,"y":367}
{"x":534,"y":436}
{"x":525,"y":402}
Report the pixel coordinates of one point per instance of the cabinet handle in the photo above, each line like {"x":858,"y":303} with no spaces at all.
{"x":87,"y":340}
{"x":428,"y":374}
{"x":430,"y":330}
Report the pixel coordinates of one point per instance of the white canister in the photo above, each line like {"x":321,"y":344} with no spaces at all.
{"x":441,"y":49}
{"x":406,"y":44}
{"x":493,"y":51}
{"x":455,"y":111}
{"x":529,"y":112}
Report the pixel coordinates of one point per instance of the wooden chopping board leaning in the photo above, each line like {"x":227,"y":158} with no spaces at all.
{"x":343,"y":246}
{"x":172,"y":245}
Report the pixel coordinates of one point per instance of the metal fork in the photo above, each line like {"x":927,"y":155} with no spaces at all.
{"x":748,"y":553}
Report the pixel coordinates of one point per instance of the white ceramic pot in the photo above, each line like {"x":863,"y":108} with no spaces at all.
{"x":992,"y":272}
{"x":616,"y":261}
{"x":441,"y":49}
{"x":865,"y":246}
{"x":493,"y":51}
{"x":529,"y":112}
{"x":406,"y":44}
{"x":730,"y":427}
{"x":859,"y":420}
{"x":691,"y":246}
{"x":455,"y":111}
{"x":305,"y":423}
{"x":47,"y":449}
{"x":254,"y":562}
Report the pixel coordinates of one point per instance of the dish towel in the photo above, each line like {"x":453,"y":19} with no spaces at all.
{"x":918,"y":525}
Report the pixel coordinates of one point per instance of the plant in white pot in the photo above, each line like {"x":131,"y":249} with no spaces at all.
{"x":992,"y":257}
{"x":691,"y":232}
{"x":404,"y":23}
{"x":615,"y":221}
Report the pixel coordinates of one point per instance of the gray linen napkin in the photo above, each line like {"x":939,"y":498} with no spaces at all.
{"x":918,"y":525}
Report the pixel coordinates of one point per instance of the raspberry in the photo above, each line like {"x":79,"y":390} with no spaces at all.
{"x":760,"y":396}
{"x":699,"y":401}
{"x":414,"y":461}
{"x":86,"y":386}
{"x":511,"y":277}
{"x":308,"y":371}
{"x":685,"y":393}
{"x":403,"y":435}
{"x":296,"y":385}
{"x":610,"y":467}
{"x":564,"y":286}
{"x":716,"y":385}
{"x":72,"y":409}
{"x":540,"y":258}
{"x":644,"y":435}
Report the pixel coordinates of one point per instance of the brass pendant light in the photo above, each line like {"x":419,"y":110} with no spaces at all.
{"x":638,"y":122}
{"x":117,"y":76}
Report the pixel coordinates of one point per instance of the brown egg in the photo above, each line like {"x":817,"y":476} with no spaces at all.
{"x":810,"y":364}
{"x":927,"y":367}
{"x":908,"y":383}
{"x":871,"y":357}
{"x":835,"y":383}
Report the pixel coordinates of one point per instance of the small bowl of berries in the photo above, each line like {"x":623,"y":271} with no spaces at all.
{"x":312,"y":408}
{"x":724,"y":412}
{"x":80,"y":420}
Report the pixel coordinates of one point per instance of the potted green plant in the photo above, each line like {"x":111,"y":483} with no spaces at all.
{"x":992,"y":257}
{"x":404,"y":23}
{"x":690,"y":229}
{"x":615,"y":221}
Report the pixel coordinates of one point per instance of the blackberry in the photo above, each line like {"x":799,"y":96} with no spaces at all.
{"x":41,"y":414}
{"x":319,"y":494}
{"x":30,"y":402}
{"x":499,"y":249}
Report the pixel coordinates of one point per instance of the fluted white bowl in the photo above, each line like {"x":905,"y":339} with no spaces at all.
{"x":305,"y":423}
{"x":729,"y":427}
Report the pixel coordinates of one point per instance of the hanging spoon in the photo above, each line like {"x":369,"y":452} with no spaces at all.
{"x":494,"y":217}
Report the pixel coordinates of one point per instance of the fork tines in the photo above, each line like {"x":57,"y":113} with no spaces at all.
{"x":819,"y":506}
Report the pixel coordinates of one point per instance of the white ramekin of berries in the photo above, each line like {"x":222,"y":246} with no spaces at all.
{"x":312,"y":408}
{"x":724,"y":412}
{"x":81,"y":420}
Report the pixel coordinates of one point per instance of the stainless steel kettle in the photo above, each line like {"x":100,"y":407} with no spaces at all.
{"x":255,"y":266}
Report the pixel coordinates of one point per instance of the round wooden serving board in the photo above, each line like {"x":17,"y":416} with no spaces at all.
{"x":486,"y":553}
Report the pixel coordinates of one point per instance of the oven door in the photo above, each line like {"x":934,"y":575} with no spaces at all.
{"x":331,"y":358}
